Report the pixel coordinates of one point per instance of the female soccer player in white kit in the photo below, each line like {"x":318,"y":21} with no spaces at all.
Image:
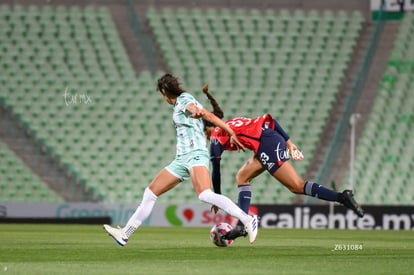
{"x":192,"y":160}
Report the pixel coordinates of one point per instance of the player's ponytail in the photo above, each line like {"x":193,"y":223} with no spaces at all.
{"x":216,"y":107}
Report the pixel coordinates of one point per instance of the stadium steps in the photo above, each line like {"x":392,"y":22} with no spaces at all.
{"x":338,"y":106}
{"x":140,"y":10}
{"x":122,"y":18}
{"x":384,"y":154}
{"x":37,"y":158}
{"x":369,"y":92}
{"x":80,"y":49}
{"x":19,"y":183}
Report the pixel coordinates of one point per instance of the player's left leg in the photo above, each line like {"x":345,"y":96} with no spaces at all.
{"x":250,"y":169}
{"x":162,"y":182}
{"x":287,"y":175}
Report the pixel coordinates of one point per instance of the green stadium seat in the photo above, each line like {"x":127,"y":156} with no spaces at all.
{"x":18,"y":183}
{"x":246,"y":64}
{"x":91,"y":62}
{"x":378,"y":162}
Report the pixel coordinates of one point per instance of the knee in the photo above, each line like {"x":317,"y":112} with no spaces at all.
{"x":240,"y":180}
{"x":206,"y":195}
{"x":296,"y":186}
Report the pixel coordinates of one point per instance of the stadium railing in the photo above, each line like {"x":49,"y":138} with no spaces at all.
{"x":342,"y":127}
{"x":385,"y":150}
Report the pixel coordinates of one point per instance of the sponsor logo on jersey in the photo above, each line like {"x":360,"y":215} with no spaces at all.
{"x":281,"y":154}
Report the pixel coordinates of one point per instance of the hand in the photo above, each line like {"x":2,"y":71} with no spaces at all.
{"x":294,"y":151}
{"x":234,"y":141}
{"x":296,"y":155}
{"x":197,"y":112}
{"x":214,"y":209}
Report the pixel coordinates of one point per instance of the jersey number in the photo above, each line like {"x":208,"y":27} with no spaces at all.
{"x":239,"y":122}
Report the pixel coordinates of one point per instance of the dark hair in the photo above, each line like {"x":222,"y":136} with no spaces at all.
{"x":216,"y":107}
{"x":170,"y":85}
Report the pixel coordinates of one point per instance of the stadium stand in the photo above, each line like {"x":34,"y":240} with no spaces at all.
{"x":385,"y":155}
{"x":18,"y":183}
{"x":298,"y":58}
{"x":66,"y":75}
{"x":114,"y":136}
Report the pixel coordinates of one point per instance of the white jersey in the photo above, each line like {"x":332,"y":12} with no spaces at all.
{"x":190,"y":131}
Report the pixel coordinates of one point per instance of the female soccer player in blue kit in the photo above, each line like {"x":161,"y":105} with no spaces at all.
{"x":271,"y":146}
{"x":191,"y":161}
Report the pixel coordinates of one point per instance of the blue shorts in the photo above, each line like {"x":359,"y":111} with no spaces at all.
{"x":181,"y":165}
{"x":272,"y":150}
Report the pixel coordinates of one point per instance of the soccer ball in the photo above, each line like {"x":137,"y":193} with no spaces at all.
{"x":217,"y":232}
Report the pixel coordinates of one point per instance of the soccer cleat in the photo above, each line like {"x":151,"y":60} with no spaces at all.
{"x":349,"y":201}
{"x":252,"y":228}
{"x":238,"y":231}
{"x":117,"y":234}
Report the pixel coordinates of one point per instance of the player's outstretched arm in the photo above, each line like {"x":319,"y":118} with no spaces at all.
{"x":234,"y":141}
{"x":198,"y":112}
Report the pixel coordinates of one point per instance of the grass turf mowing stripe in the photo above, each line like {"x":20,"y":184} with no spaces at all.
{"x":86,"y":249}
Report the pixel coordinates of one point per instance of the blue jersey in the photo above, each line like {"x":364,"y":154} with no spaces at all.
{"x":190,"y":131}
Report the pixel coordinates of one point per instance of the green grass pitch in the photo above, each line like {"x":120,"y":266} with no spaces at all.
{"x":86,"y":249}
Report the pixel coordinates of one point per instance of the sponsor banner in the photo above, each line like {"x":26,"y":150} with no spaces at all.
{"x":272,"y":216}
{"x":336,"y":216}
{"x":393,"y":5}
{"x":118,"y":212}
{"x":162,"y":214}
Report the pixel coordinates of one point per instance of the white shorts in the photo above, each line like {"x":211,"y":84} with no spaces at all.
{"x":181,"y":165}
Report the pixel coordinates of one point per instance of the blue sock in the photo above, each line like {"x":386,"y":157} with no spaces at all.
{"x":316,"y":190}
{"x":245,"y":196}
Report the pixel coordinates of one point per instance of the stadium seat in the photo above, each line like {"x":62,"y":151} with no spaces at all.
{"x":384,"y":152}
{"x":18,"y":183}
{"x":109,"y":142}
{"x":81,"y":50}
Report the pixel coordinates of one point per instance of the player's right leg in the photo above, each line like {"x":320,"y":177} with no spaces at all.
{"x":200,"y":177}
{"x":348,"y":200}
{"x":162,"y":182}
{"x":117,"y":234}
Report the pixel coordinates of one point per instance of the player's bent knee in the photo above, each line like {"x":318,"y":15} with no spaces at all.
{"x":206,"y":196}
{"x":296,"y":188}
{"x":242,"y":180}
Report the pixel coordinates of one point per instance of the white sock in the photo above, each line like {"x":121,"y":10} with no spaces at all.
{"x":142,"y":212}
{"x":224,"y":203}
